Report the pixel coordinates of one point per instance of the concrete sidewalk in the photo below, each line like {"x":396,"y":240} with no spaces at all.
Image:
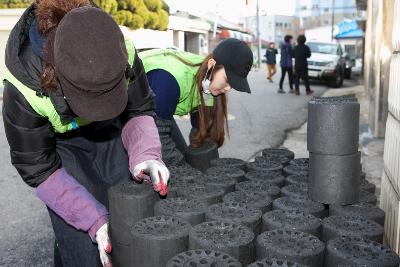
{"x":371,"y":148}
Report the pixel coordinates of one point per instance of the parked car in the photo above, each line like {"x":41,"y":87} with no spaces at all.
{"x":327,"y":62}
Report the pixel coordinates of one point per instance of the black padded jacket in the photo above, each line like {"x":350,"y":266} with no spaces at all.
{"x":31,"y":137}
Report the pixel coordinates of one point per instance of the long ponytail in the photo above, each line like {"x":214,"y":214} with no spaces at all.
{"x":212,"y":120}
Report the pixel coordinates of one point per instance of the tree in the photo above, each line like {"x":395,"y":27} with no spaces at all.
{"x":109,"y":6}
{"x":15,"y":3}
{"x":135,"y":14}
{"x":163,"y":17}
{"x":3,"y":4}
{"x":143,"y":12}
{"x":153,"y":5}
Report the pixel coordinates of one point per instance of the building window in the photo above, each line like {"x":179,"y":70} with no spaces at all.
{"x":326,"y":22}
{"x":303,"y":7}
{"x":326,"y":10}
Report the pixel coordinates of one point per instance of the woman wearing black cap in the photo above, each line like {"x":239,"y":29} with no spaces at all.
{"x":186,"y":83}
{"x":78,"y":115}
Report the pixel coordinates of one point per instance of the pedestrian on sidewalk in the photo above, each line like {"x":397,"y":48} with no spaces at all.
{"x":300,"y":53}
{"x":186,"y":83}
{"x":286,"y":63}
{"x":270,"y":55}
{"x":78,"y":116}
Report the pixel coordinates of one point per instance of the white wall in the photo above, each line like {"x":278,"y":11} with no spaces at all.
{"x":179,"y":40}
{"x":145,"y":38}
{"x":8,"y":18}
{"x":321,"y":34}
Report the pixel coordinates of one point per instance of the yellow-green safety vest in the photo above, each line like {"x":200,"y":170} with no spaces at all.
{"x":43,"y":106}
{"x":167,"y":59}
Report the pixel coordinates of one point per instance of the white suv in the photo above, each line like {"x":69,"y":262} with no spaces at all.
{"x":327,"y":62}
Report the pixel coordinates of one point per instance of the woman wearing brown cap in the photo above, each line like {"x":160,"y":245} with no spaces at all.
{"x":186,"y":83}
{"x":78,"y":115}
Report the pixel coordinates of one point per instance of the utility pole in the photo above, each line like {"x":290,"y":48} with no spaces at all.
{"x":215,"y":25}
{"x":216,"y":20}
{"x":333,"y":19}
{"x":258,"y":37}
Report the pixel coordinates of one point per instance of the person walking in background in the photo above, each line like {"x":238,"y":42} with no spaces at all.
{"x":270,"y":55}
{"x":286,"y":63}
{"x":300,"y":53}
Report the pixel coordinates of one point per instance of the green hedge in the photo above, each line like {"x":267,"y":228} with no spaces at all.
{"x":135,"y":14}
{"x":15,"y":3}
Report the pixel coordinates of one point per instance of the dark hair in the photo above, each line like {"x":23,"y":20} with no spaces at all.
{"x":301,"y":39}
{"x":212,"y":120}
{"x":49,"y":14}
{"x":287,"y":38}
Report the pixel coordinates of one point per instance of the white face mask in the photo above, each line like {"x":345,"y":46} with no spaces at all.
{"x":205,"y":84}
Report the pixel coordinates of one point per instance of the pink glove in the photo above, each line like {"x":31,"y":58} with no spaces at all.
{"x":142,"y":142}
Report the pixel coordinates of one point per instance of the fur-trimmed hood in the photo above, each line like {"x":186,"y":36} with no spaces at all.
{"x":19,"y":57}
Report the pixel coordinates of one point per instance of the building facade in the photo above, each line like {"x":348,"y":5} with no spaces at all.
{"x":382,"y":84}
{"x":186,"y":34}
{"x":318,"y":13}
{"x":218,"y":29}
{"x":273,"y":28}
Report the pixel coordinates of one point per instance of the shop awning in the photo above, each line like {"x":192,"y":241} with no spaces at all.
{"x":349,"y":29}
{"x":245,"y":37}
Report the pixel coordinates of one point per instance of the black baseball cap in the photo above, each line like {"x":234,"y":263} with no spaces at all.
{"x":237,"y":59}
{"x":90,"y":62}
